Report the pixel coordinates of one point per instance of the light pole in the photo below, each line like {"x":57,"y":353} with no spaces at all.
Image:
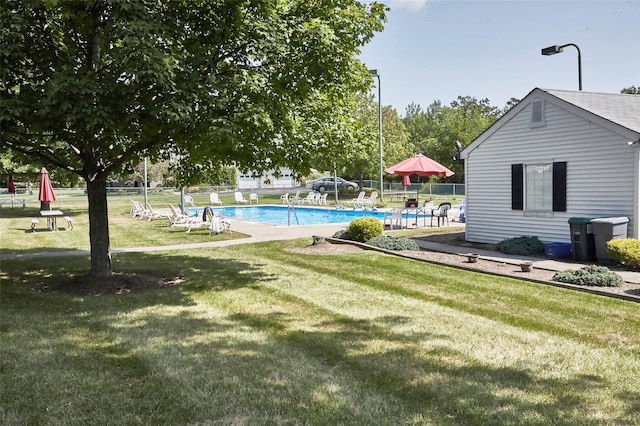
{"x":552,"y":50}
{"x":375,"y":73}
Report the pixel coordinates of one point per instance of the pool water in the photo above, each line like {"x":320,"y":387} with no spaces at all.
{"x":279,"y":215}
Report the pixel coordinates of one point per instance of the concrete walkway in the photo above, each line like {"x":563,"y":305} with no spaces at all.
{"x":538,"y":263}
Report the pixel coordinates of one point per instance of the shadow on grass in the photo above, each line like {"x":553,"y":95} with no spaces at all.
{"x":167,"y":357}
{"x":432,"y":378}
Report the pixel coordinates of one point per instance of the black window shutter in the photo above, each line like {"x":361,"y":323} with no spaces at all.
{"x":517,"y":193}
{"x":560,"y":186}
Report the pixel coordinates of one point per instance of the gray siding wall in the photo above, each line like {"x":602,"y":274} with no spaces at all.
{"x":600,"y":173}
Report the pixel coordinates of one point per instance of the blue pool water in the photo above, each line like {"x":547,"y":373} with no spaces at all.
{"x":278,"y":215}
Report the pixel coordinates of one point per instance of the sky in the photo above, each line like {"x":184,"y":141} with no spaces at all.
{"x":441,"y":49}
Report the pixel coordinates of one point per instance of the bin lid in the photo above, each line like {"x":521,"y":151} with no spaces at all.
{"x":611,"y":220}
{"x":574,"y":220}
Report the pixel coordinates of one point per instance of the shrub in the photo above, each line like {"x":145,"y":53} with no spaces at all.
{"x":393,"y":243}
{"x":626,"y":251}
{"x":342,"y":234}
{"x":524,"y":246}
{"x":365,"y":228}
{"x":592,"y":275}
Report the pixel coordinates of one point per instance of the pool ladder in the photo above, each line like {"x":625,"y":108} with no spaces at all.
{"x":292,"y":209}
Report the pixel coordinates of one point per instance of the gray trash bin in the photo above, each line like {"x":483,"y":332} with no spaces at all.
{"x":582,"y":241}
{"x":606,"y":229}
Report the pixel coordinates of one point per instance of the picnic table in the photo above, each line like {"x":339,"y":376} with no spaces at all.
{"x":13,"y":201}
{"x":51,"y":216}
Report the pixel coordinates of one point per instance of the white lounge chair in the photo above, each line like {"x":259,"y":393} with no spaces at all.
{"x":285,"y":198}
{"x":179,"y":219}
{"x":217,"y":222}
{"x":309,"y":199}
{"x":357,"y":202}
{"x":253,"y":197}
{"x":156,"y":214}
{"x":188,"y":201}
{"x":239,"y":198}
{"x":137,"y":209}
{"x":323,"y":199}
{"x":295,"y":199}
{"x":370,"y":201}
{"x":214,"y":199}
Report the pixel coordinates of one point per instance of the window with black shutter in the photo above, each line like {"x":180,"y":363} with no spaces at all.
{"x":539,"y":187}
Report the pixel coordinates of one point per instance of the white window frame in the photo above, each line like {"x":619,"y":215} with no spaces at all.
{"x":538,"y":193}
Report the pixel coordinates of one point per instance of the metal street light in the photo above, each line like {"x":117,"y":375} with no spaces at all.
{"x":552,"y":50}
{"x":375,"y":73}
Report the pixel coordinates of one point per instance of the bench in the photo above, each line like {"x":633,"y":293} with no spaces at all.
{"x":34,"y":222}
{"x":69,"y":222}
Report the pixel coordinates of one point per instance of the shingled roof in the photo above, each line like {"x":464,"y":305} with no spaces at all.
{"x":622,"y":109}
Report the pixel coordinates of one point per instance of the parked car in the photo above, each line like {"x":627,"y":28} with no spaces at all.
{"x":328,"y":184}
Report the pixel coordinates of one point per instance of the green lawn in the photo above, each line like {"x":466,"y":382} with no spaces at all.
{"x":259,"y":334}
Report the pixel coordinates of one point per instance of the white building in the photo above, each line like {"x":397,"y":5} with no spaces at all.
{"x":555,"y":155}
{"x":267,"y":180}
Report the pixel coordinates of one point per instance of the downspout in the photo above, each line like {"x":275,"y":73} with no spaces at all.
{"x":636,"y":188}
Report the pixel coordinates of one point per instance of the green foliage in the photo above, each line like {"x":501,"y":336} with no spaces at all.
{"x":94,"y":87}
{"x":591,"y":275}
{"x":365,"y":228}
{"x":523,"y":246}
{"x":626,"y":251}
{"x":393,"y":243}
{"x":633,"y":90}
{"x":342,"y":234}
{"x":434,"y":131}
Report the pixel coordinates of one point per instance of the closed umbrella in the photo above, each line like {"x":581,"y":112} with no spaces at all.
{"x":11,"y":186}
{"x":46,"y":195}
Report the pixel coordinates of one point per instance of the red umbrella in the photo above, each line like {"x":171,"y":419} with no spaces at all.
{"x":46,"y":195}
{"x":419,"y":165}
{"x":11,"y":186}
{"x":406,"y":181}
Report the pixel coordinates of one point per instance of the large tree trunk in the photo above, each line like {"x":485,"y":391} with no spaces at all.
{"x":99,"y":228}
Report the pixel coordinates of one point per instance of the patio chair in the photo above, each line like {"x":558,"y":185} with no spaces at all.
{"x":285,"y":198}
{"x":442,"y":213}
{"x":323,"y":199}
{"x":394,"y":218}
{"x":253,"y":197}
{"x":214,"y":199}
{"x":239,"y":198}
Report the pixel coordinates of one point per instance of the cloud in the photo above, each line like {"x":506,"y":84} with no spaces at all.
{"x":411,"y":5}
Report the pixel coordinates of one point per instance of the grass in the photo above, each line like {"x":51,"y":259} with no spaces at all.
{"x":16,"y":236}
{"x":260,"y":334}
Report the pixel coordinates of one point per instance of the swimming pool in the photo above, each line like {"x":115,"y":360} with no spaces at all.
{"x":279,"y":215}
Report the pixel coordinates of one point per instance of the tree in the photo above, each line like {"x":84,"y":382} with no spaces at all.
{"x":435,"y":130}
{"x":94,"y":86}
